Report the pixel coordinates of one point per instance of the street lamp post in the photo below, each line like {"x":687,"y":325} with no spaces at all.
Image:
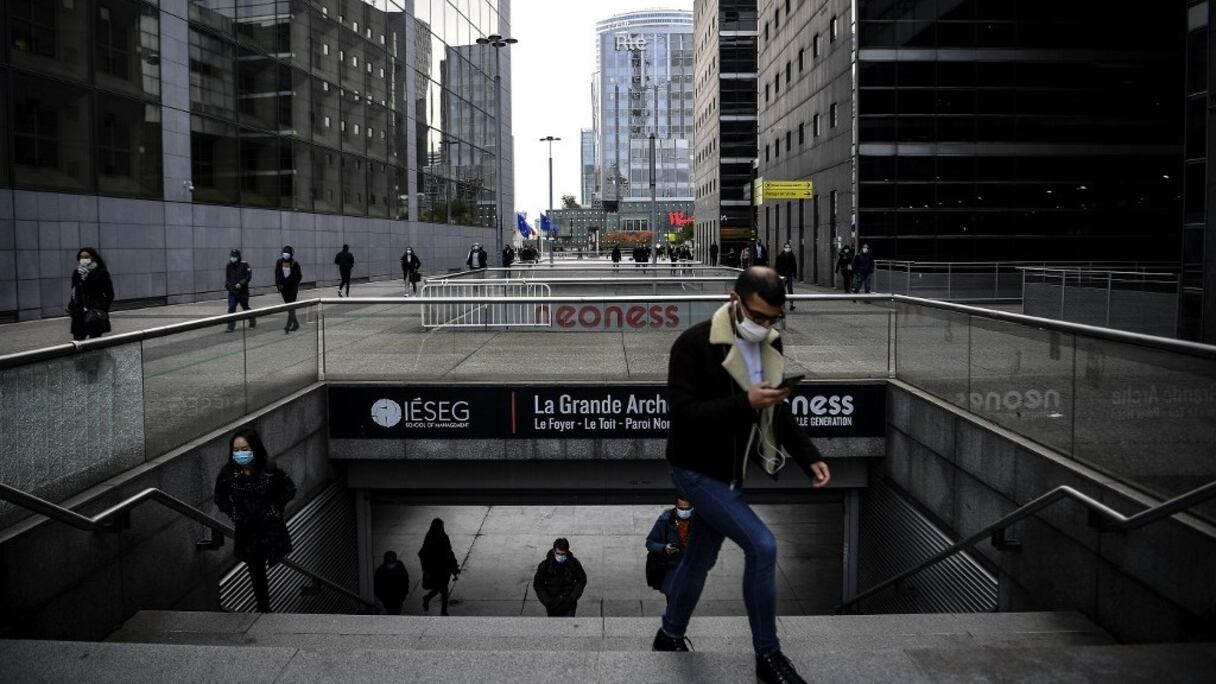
{"x":549,"y":139}
{"x":497,"y":42}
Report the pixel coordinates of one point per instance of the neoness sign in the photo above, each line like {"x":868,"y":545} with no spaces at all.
{"x":614,"y":316}
{"x":579,"y":411}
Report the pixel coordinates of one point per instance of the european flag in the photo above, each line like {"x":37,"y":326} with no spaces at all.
{"x":544,"y":224}
{"x":525,"y":231}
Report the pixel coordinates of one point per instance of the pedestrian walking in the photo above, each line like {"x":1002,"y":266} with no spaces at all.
{"x":438,"y":566}
{"x":254,"y":492}
{"x":411,"y":267}
{"x":508,"y":258}
{"x":759,"y":254}
{"x":287,"y":277}
{"x":713,"y":254}
{"x":237,"y":277}
{"x":477,"y":257}
{"x":616,"y":256}
{"x":92,"y":295}
{"x":559,"y":580}
{"x":787,"y":268}
{"x":844,"y":266}
{"x":392,"y":583}
{"x":346,"y":263}
{"x":745,"y":258}
{"x":863,"y":268}
{"x":726,"y":410}
{"x":666,"y":543}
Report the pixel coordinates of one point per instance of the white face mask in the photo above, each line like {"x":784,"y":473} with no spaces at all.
{"x":85,"y":262}
{"x":865,"y":250}
{"x":684,"y":514}
{"x":788,"y":249}
{"x":287,"y":256}
{"x":232,"y":260}
{"x":748,"y":329}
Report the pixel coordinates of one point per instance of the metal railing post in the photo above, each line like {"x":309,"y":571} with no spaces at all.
{"x":1110,"y":277}
{"x":949,"y":281}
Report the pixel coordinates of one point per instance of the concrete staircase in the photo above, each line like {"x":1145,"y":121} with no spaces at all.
{"x":236,"y":647}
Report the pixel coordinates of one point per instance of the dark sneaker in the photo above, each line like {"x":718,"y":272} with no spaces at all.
{"x":664,"y":642}
{"x":777,"y":669}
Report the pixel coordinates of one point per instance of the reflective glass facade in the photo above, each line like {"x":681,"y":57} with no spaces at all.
{"x":80,"y":87}
{"x":645,"y":85}
{"x":1027,"y":129}
{"x":306,"y":105}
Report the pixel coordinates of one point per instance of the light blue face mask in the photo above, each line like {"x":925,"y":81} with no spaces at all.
{"x":559,"y":557}
{"x":684,"y":513}
{"x":242,"y":457}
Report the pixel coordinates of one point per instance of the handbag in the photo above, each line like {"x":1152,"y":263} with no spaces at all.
{"x":96,"y":317}
{"x":656,"y":570}
{"x":415,"y":276}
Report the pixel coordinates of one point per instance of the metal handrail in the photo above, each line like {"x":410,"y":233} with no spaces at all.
{"x":115,"y":517}
{"x":1150,"y":341}
{"x":1102,"y":517}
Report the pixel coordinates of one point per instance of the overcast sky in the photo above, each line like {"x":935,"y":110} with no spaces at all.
{"x":551,"y":93}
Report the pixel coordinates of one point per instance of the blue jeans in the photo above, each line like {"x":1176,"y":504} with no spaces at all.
{"x":233,"y":300}
{"x":721,"y":513}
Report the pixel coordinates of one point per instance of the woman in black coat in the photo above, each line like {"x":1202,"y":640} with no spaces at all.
{"x":438,"y":565}
{"x":287,"y":278}
{"x":411,"y":266}
{"x":92,"y":295}
{"x":253,"y":492}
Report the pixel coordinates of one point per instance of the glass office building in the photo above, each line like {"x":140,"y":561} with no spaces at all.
{"x":644,"y":85}
{"x":355,"y":109}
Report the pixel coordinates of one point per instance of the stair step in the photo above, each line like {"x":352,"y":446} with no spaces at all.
{"x":52,"y":661}
{"x":837,"y":634}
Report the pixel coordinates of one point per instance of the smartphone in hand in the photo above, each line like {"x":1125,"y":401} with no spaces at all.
{"x":791,"y":381}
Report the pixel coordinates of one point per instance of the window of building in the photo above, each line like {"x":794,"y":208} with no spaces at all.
{"x":801,"y":59}
{"x":801,"y":133}
{"x":788,"y":73}
{"x":213,"y":160}
{"x":777,"y":148}
{"x":766,"y":31}
{"x":789,"y":137}
{"x":128,"y":147}
{"x":766,"y":159}
{"x":766,"y":93}
{"x":48,"y":37}
{"x":815,"y":126}
{"x":815,"y":43}
{"x":51,"y":135}
{"x":832,"y":115}
{"x":832,"y":28}
{"x":777,"y":85}
{"x":777,"y":19}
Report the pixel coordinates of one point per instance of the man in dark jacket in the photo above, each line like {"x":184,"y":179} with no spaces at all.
{"x":787,"y":268}
{"x":863,"y":264}
{"x":508,"y":257}
{"x":759,"y":254}
{"x":725,"y":410}
{"x":844,"y":266}
{"x":392,"y":583}
{"x":666,"y":544}
{"x":236,"y":281}
{"x":477,"y":257}
{"x":616,"y":256}
{"x":346,"y":263}
{"x":713,"y":254}
{"x":559,"y":580}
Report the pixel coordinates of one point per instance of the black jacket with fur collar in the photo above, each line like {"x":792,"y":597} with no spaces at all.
{"x":714,"y":430}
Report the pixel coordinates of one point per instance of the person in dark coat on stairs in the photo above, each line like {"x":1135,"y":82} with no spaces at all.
{"x":559,"y":580}
{"x":92,"y":295}
{"x":666,"y":544}
{"x":254,"y":492}
{"x":438,"y":566}
{"x":287,"y":277}
{"x":392,"y":583}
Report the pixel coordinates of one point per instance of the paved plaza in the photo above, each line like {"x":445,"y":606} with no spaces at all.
{"x":499,"y":548}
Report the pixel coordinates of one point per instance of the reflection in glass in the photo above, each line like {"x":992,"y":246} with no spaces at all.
{"x":128,"y":147}
{"x":51,"y":135}
{"x":126,"y":47}
{"x":50,"y":37}
{"x":213,"y":160}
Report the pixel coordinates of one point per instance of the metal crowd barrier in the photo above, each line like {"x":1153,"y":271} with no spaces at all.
{"x":475,"y":312}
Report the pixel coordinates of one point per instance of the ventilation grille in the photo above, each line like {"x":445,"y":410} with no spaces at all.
{"x":896,"y":536}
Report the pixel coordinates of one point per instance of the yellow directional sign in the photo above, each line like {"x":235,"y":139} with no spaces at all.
{"x":787,"y":190}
